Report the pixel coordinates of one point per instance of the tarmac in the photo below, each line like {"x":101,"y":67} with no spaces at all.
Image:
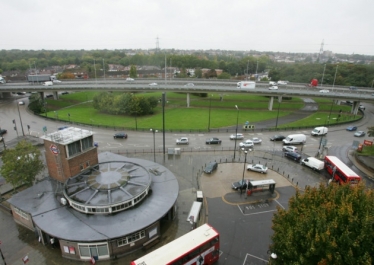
{"x":18,"y":242}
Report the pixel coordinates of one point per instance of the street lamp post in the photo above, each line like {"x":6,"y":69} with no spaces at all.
{"x":236,"y":131}
{"x":20,"y":119}
{"x":336,"y":71}
{"x":276,"y":122}
{"x":245,"y":161}
{"x":210,"y":106}
{"x":324,"y":68}
{"x":154,"y":144}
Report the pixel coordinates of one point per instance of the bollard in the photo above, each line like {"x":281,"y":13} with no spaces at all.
{"x":292,"y":179}
{"x":297,"y":183}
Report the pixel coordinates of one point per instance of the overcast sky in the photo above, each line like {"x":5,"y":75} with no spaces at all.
{"x":345,"y":26}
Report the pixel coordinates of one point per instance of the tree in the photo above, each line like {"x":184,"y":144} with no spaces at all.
{"x":21,"y":164}
{"x":371,"y":131}
{"x":327,"y":225}
{"x":133,"y":73}
{"x":224,"y":76}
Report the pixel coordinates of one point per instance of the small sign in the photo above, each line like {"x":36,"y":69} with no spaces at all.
{"x":54,"y":149}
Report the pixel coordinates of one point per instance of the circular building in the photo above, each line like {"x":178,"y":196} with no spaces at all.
{"x":107,"y":210}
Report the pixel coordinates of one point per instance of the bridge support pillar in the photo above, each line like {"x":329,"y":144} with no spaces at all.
{"x":355,"y":106}
{"x":188,"y":100}
{"x":55,"y":95}
{"x":271,"y":102}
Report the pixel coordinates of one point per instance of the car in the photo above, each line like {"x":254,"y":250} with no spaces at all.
{"x":324,"y":91}
{"x":359,"y":134}
{"x":1,"y":139}
{"x":293,"y":156}
{"x":130,"y":79}
{"x":21,"y":93}
{"x":120,"y":135}
{"x":49,"y":96}
{"x":361,"y":107}
{"x":272,"y":83}
{"x":210,"y":167}
{"x":351,"y":128}
{"x":238,"y":136}
{"x":258,"y":168}
{"x":182,"y":140}
{"x":64,"y":93}
{"x":153,"y":84}
{"x":62,"y":128}
{"x":256,"y":140}
{"x":3,"y":131}
{"x":240,"y":185}
{"x":273,"y":87}
{"x":189,"y":84}
{"x":352,"y":88}
{"x":280,"y":82}
{"x":56,"y":81}
{"x":21,"y":102}
{"x":277,"y":137}
{"x":246,"y":144}
{"x":290,"y":148}
{"x":213,"y":140}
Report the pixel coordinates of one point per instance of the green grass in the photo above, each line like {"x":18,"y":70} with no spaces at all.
{"x":221,"y":113}
{"x":367,"y":151}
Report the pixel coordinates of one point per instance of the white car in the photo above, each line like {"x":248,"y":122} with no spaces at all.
{"x":182,"y":140}
{"x":256,"y":140}
{"x":21,"y":102}
{"x":273,"y":87}
{"x":130,"y":79}
{"x":280,"y":82}
{"x":238,"y":136}
{"x":246,"y":144}
{"x":324,"y":91}
{"x":56,"y":81}
{"x":153,"y":84}
{"x":189,"y":84}
{"x":272,"y":83}
{"x":258,"y":168}
{"x":290,"y":148}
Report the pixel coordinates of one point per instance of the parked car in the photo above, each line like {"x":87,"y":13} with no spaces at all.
{"x":246,"y":144}
{"x":120,"y":135}
{"x":258,"y":168}
{"x":182,"y":140}
{"x":256,"y":140}
{"x":240,"y":185}
{"x":351,"y":128}
{"x":290,"y":148}
{"x":277,"y":137}
{"x":359,"y":134}
{"x":324,"y":91}
{"x":3,"y":131}
{"x":238,"y":136}
{"x":213,"y":140}
{"x":293,"y":156}
{"x":273,"y":87}
{"x":210,"y":167}
{"x":153,"y":84}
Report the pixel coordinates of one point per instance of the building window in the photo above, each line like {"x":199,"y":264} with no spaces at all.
{"x":87,"y":143}
{"x":81,"y":167}
{"x":131,"y":238}
{"x":74,"y":148}
{"x":89,"y":250}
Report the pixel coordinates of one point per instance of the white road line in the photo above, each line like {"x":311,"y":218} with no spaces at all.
{"x":254,"y":257}
{"x":279,"y":204}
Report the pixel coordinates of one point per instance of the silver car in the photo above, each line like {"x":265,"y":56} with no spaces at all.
{"x":258,"y":168}
{"x":182,"y":140}
{"x":238,"y":136}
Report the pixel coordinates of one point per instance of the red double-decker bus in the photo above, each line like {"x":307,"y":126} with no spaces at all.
{"x":339,"y":171}
{"x":198,"y":247}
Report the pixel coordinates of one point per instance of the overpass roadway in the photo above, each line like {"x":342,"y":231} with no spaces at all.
{"x":200,"y":86}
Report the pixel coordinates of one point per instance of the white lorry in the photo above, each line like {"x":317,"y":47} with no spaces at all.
{"x":2,"y":80}
{"x":295,"y":139}
{"x":246,"y":85}
{"x":313,"y":163}
{"x":319,"y":131}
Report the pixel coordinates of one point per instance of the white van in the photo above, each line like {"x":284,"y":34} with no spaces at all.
{"x":319,"y":131}
{"x":295,"y":139}
{"x":313,"y":163}
{"x":48,"y":83}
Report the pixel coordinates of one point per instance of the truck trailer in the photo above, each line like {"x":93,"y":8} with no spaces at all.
{"x":246,"y":85}
{"x":40,"y":78}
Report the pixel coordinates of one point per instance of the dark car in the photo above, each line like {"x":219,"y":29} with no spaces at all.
{"x":64,"y":93}
{"x":211,"y":167}
{"x":277,"y":138}
{"x":213,"y":140}
{"x":120,"y":135}
{"x":62,"y":128}
{"x":240,"y":185}
{"x":3,"y":131}
{"x":293,"y":156}
{"x":351,"y":128}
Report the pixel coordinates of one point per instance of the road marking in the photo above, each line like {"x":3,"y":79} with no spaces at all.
{"x":279,"y":204}
{"x":254,"y":257}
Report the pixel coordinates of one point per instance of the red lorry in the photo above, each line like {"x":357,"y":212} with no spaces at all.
{"x":313,"y":83}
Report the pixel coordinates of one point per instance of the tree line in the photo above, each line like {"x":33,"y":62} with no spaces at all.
{"x":237,"y":65}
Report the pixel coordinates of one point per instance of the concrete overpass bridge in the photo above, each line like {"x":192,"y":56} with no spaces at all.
{"x":335,"y":93}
